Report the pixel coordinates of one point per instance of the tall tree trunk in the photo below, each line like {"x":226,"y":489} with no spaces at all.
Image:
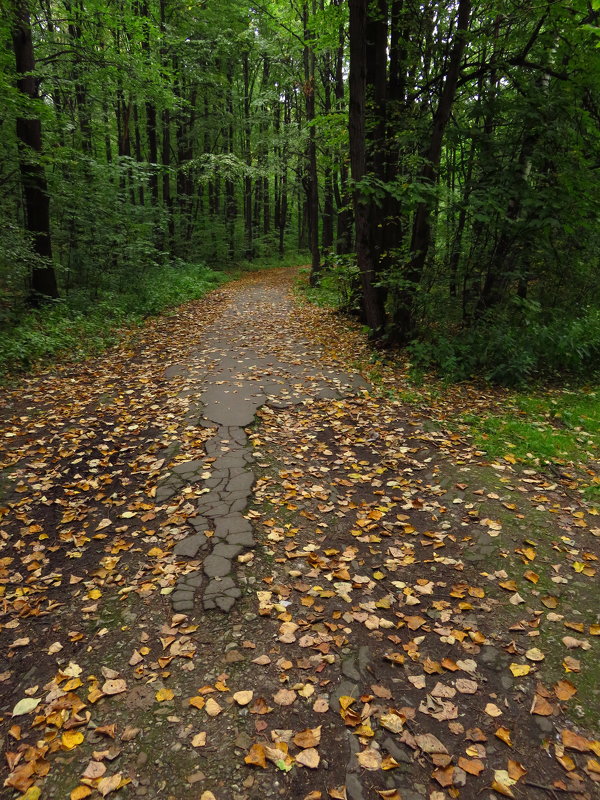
{"x":247,"y":151}
{"x":373,"y":306}
{"x":421,"y":231}
{"x":33,"y":177}
{"x":312,"y":184}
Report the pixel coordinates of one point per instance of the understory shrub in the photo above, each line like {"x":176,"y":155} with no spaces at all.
{"x":81,"y":325}
{"x":514,"y":346}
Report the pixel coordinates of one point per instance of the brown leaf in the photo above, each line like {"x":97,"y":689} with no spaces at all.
{"x":308,"y":738}
{"x":516,"y":770}
{"x":445,"y":777}
{"x":285,"y":697}
{"x":308,"y":758}
{"x":541,"y":706}
{"x":472,"y":766}
{"x":117,"y":686}
{"x":256,"y":756}
{"x":429,"y":743}
{"x":95,"y":769}
{"x":564,"y":690}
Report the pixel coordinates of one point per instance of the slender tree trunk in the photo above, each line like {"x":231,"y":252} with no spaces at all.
{"x":33,"y":178}
{"x":312,"y":184}
{"x":421,"y":231}
{"x":373,"y":306}
{"x":247,"y":149}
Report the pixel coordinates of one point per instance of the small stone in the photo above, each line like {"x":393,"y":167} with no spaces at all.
{"x":354,"y":790}
{"x":349,"y":669}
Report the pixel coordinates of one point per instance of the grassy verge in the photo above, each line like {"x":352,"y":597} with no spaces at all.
{"x":79,"y":326}
{"x":559,"y":428}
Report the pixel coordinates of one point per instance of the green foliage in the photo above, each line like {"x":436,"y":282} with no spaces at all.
{"x":514,"y":346}
{"x":557,"y":427}
{"x":79,"y":326}
{"x":338,"y":287}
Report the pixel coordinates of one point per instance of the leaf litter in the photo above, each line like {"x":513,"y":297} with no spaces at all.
{"x":366,"y":514}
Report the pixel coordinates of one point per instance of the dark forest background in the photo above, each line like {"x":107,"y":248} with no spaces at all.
{"x":440,"y":161}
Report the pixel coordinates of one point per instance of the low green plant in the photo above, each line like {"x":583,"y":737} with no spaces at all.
{"x":514,"y":346}
{"x":338,"y":286}
{"x":81,"y":325}
{"x":541,"y":429}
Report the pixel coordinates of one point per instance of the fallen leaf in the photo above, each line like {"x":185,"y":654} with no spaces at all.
{"x":243,"y":698}
{"x":492,"y":710}
{"x":109,"y":784}
{"x":117,"y":686}
{"x":71,"y":739}
{"x":212,"y":708}
{"x":541,"y":706}
{"x":518,"y":670}
{"x":535,"y":654}
{"x":285,"y":697}
{"x":199,"y":740}
{"x":256,"y":756}
{"x":80,"y":792}
{"x":472,"y":766}
{"x":504,"y":735}
{"x":502,"y":783}
{"x":308,"y":738}
{"x":308,"y":758}
{"x":369,"y":759}
{"x":25,"y":706}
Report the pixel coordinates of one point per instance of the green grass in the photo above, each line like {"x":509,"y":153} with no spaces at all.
{"x":556,"y":427}
{"x":80,"y":326}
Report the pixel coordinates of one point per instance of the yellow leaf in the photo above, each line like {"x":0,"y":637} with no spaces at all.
{"x":535,"y":654}
{"x":502,"y":783}
{"x":79,"y":792}
{"x":243,"y":698}
{"x":94,"y":594}
{"x":518,"y":670}
{"x":199,"y":740}
{"x":256,"y":756}
{"x":33,"y":793}
{"x":164,"y":694}
{"x":71,"y":739}
{"x":504,"y":735}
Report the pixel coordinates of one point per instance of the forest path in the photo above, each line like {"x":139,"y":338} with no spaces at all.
{"x":395,"y":604}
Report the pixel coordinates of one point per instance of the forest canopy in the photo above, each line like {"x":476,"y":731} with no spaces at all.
{"x":439,"y":160}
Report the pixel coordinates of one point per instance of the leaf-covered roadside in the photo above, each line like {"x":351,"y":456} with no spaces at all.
{"x":419,"y":621}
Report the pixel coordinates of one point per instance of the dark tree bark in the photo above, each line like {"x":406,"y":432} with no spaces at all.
{"x":312,"y":178}
{"x":373,"y":306}
{"x":33,"y":178}
{"x":421,"y":230}
{"x":247,"y":150}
